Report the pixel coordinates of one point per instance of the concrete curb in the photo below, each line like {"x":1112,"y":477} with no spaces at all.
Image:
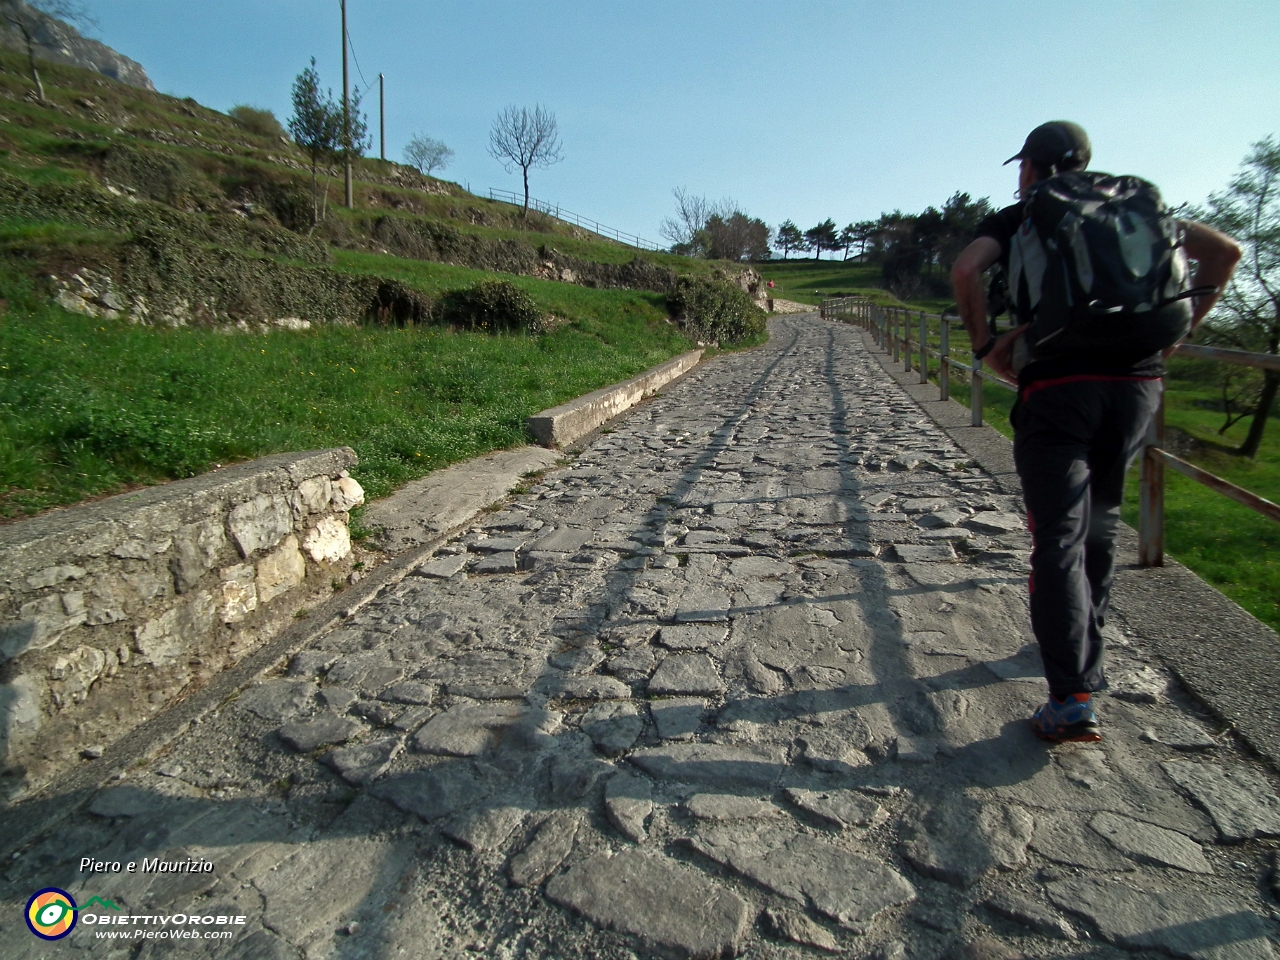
{"x":1225,"y":657}
{"x":447,"y":499}
{"x":566,"y":423}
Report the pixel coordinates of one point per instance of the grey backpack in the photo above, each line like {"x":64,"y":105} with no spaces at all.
{"x":1097,"y":268}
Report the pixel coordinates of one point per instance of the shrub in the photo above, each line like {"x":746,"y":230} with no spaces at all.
{"x":492,"y":306}
{"x":256,"y":120}
{"x":714,"y":311}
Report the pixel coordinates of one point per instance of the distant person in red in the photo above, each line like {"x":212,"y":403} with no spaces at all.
{"x":1085,"y":392}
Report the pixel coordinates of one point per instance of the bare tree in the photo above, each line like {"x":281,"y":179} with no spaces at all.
{"x":525,"y":138}
{"x":426,"y":154}
{"x":28,"y":19}
{"x":692,"y":214}
{"x":687,"y":230}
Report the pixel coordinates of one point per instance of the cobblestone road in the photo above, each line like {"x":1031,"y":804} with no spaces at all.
{"x":749,"y":676}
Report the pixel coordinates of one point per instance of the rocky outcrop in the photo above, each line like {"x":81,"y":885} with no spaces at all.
{"x":61,"y":43}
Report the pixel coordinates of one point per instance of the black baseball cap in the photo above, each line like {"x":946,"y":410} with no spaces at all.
{"x":1052,"y":144}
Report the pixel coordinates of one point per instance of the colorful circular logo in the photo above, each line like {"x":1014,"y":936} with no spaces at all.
{"x":51,"y":913}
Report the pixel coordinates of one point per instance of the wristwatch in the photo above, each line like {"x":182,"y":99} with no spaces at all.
{"x":987,"y":348}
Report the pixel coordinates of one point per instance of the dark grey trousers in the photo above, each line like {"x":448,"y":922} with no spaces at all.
{"x":1074,"y":438}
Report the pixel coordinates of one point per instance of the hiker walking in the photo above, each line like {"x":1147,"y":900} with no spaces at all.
{"x":1098,"y":286}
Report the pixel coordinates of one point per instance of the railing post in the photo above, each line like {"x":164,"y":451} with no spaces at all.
{"x":1151,"y":495}
{"x":924,"y":349}
{"x":906,"y":342}
{"x":897,"y":340}
{"x":944,"y":360}
{"x":975,"y":393}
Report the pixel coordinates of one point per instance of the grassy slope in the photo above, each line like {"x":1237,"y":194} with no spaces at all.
{"x":408,"y":400}
{"x":92,"y":406}
{"x":810,"y":281}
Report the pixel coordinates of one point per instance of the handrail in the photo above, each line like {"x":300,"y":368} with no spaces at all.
{"x":554,"y":210}
{"x":890,"y":329}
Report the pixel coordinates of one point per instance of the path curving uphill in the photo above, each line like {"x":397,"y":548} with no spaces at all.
{"x":749,"y":676}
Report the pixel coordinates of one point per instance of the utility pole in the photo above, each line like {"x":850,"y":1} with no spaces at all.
{"x":346,"y":109}
{"x":382,"y":115}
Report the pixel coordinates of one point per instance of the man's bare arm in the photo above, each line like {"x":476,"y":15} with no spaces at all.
{"x":966,"y":277}
{"x":1216,"y":256}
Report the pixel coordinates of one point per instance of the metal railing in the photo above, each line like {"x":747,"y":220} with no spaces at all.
{"x":554,"y":210}
{"x":890,"y":327}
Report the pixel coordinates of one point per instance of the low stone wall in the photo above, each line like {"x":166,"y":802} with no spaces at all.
{"x":109,"y":610}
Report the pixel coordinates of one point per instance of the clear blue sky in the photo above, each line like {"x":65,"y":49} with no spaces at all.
{"x":800,"y":110}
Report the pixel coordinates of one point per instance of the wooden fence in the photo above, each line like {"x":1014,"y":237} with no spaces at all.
{"x":893,"y":329}
{"x":554,"y":210}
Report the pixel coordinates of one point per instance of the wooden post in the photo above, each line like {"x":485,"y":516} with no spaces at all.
{"x":924,"y":349}
{"x":382,"y":115}
{"x":346,"y":111}
{"x":897,"y":341}
{"x":944,"y":360}
{"x":1151,"y":496}
{"x":906,"y":342}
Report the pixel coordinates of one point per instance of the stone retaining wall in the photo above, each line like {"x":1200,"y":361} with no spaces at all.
{"x":109,"y":610}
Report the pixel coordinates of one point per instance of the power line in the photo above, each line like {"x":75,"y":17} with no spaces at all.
{"x":351,"y":45}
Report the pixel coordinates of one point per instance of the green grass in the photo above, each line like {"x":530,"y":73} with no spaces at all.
{"x":90,"y":407}
{"x":92,"y":114}
{"x":811,"y":281}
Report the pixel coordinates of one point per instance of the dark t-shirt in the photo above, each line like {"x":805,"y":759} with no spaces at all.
{"x":1000,"y":227}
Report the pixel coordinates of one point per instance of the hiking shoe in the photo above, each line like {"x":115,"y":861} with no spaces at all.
{"x":1067,"y":721}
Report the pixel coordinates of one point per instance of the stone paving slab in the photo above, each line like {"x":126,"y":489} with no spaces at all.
{"x":788,"y":732}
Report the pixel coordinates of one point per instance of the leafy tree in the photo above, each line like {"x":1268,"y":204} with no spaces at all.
{"x":354,"y":137}
{"x":1247,"y":316}
{"x":864,"y":231}
{"x":736,"y":237}
{"x":848,"y":237}
{"x":822,"y":237}
{"x":961,"y":215}
{"x":28,"y":18}
{"x":316,"y":126}
{"x":926,"y":234}
{"x":789,"y":238}
{"x":911,"y":248}
{"x":717,"y":230}
{"x":427,"y":154}
{"x":525,"y":138}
